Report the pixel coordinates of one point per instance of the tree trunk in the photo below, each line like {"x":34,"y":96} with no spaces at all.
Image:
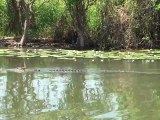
{"x":79,"y":18}
{"x":14,"y":18}
{"x":81,"y":37}
{"x":80,"y":21}
{"x":25,"y":33}
{"x":28,"y":14}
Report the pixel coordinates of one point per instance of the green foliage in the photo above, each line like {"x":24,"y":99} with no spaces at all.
{"x":3,"y":17}
{"x":93,"y":18}
{"x":111,"y":23}
{"x":47,"y":15}
{"x":70,"y":2}
{"x":157,"y":7}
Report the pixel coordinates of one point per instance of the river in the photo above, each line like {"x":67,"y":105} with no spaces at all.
{"x":81,"y":95}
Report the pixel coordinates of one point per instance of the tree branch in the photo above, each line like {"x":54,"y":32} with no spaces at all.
{"x":31,"y":2}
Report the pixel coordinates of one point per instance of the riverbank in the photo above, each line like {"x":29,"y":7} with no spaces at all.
{"x":106,"y":25}
{"x":11,"y":42}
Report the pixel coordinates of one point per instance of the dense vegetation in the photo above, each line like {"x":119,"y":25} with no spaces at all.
{"x":102,"y":24}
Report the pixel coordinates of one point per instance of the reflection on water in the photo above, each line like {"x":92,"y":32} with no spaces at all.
{"x":79,"y":96}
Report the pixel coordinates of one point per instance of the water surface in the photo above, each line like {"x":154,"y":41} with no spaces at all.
{"x":80,"y":96}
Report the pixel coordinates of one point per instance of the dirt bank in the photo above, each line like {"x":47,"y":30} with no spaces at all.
{"x":10,"y":42}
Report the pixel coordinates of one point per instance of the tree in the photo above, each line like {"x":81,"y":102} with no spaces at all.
{"x":21,"y":17}
{"x":78,"y":11}
{"x":28,"y":12}
{"x":14,"y":20}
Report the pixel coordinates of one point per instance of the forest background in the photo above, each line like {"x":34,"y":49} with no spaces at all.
{"x":100,"y":24}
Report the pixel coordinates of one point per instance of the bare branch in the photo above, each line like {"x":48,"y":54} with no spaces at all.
{"x":31,"y":2}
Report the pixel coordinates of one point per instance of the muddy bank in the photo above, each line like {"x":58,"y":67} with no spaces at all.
{"x":10,"y":42}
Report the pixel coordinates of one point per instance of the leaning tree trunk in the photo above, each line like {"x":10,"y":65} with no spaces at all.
{"x":25,"y":27}
{"x":25,"y":33}
{"x":27,"y":8}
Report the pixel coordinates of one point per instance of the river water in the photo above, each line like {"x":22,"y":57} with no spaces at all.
{"x":80,"y":95}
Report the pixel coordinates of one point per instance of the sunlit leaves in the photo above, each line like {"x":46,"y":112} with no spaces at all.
{"x":158,"y":7}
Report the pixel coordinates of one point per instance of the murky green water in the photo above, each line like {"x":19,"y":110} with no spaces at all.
{"x":80,"y":96}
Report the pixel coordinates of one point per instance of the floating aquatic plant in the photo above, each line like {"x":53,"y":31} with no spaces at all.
{"x":72,"y":54}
